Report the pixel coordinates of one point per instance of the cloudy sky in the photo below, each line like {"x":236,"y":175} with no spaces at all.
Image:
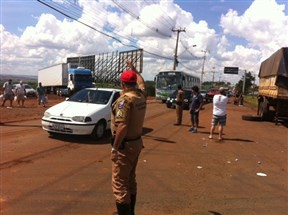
{"x":238,"y":33}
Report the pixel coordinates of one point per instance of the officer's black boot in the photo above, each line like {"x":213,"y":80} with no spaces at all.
{"x":122,"y":209}
{"x":132,"y":204}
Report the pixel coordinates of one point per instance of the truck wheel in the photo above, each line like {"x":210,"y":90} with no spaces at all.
{"x":264,"y":111}
{"x":251,"y":118}
{"x":99,"y":130}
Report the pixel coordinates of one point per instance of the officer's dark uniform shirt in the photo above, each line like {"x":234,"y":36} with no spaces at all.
{"x":129,"y":108}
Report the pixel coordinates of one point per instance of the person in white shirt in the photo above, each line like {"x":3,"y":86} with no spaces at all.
{"x":20,"y":93}
{"x":219,"y":113}
{"x":8,"y":93}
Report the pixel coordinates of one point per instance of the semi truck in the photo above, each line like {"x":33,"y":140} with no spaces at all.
{"x":273,"y":87}
{"x":67,"y":76}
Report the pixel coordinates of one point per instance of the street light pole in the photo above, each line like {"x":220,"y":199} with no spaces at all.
{"x":202,"y":73}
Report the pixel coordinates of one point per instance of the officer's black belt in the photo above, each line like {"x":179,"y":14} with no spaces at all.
{"x":132,"y":139}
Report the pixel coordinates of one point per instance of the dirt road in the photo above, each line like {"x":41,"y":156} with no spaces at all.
{"x":179,"y":172}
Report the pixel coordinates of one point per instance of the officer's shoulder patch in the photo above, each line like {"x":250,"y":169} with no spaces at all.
{"x":121,"y":104}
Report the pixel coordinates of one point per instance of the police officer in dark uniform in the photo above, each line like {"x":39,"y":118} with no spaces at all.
{"x":179,"y":105}
{"x":127,"y":120}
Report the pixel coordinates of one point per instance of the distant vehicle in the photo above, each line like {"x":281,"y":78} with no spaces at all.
{"x":171,"y":101}
{"x":210,"y":94}
{"x":63,"y":92}
{"x":87,"y":112}
{"x":166,"y":82}
{"x":30,"y":92}
{"x":65,"y":75}
{"x":203,"y":94}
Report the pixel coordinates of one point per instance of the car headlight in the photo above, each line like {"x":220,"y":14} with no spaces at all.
{"x":81,"y":119}
{"x":47,"y":114}
{"x":185,"y":100}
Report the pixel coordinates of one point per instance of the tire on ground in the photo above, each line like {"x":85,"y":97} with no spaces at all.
{"x":251,"y":118}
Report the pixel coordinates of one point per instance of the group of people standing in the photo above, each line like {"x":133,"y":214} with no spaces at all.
{"x":219,"y":110}
{"x":20,"y":94}
{"x":127,"y":119}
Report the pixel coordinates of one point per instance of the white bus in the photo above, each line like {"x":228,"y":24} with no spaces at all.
{"x":166,"y":82}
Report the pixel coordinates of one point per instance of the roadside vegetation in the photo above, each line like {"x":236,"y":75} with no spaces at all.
{"x":251,"y":100}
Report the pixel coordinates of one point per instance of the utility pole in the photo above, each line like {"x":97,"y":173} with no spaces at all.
{"x":202,"y":73}
{"x":213,"y":76}
{"x":176,"y":49}
{"x":244,"y":82}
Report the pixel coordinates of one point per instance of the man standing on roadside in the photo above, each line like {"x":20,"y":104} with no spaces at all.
{"x":195,"y":107}
{"x":8,"y":93}
{"x":41,"y":94}
{"x":219,"y":113}
{"x":127,"y":120}
{"x":20,"y":93}
{"x":179,"y":105}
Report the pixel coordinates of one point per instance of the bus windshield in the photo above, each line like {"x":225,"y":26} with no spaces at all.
{"x":166,"y":81}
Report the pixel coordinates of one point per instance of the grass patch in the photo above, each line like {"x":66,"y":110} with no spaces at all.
{"x":251,"y":100}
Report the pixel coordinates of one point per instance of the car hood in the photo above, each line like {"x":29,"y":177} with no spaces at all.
{"x":70,"y":109}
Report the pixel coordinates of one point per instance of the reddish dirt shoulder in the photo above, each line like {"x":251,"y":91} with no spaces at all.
{"x":31,"y":109}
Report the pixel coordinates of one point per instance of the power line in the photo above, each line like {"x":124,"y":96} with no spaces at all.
{"x":137,"y":17}
{"x":101,"y":32}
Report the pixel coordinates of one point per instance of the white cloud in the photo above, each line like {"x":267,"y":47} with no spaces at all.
{"x":263,"y":26}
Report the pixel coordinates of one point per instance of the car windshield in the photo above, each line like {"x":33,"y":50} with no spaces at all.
{"x":188,"y":94}
{"x":27,"y":87}
{"x":91,"y":96}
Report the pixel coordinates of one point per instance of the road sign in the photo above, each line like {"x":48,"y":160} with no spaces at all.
{"x":231,"y":70}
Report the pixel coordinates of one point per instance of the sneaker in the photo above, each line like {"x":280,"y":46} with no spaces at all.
{"x":191,"y":129}
{"x":194,"y":131}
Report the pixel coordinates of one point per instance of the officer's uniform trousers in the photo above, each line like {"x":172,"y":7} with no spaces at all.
{"x":179,"y":113}
{"x":124,"y":181}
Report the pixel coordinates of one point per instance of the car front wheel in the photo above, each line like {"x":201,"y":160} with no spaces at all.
{"x":99,"y":130}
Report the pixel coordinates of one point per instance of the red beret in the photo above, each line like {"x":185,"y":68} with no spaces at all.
{"x":129,"y":76}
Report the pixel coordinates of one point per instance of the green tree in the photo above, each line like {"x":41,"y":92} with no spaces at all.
{"x":249,"y":81}
{"x":150,"y":88}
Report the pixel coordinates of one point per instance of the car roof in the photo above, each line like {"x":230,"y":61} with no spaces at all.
{"x":106,"y":89}
{"x":19,"y":84}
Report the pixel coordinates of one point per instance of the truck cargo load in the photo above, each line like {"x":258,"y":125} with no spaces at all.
{"x":273,"y":86}
{"x":67,"y":76}
{"x":56,"y":75}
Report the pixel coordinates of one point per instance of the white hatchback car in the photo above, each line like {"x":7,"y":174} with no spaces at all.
{"x":30,"y":92}
{"x":87,"y":112}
